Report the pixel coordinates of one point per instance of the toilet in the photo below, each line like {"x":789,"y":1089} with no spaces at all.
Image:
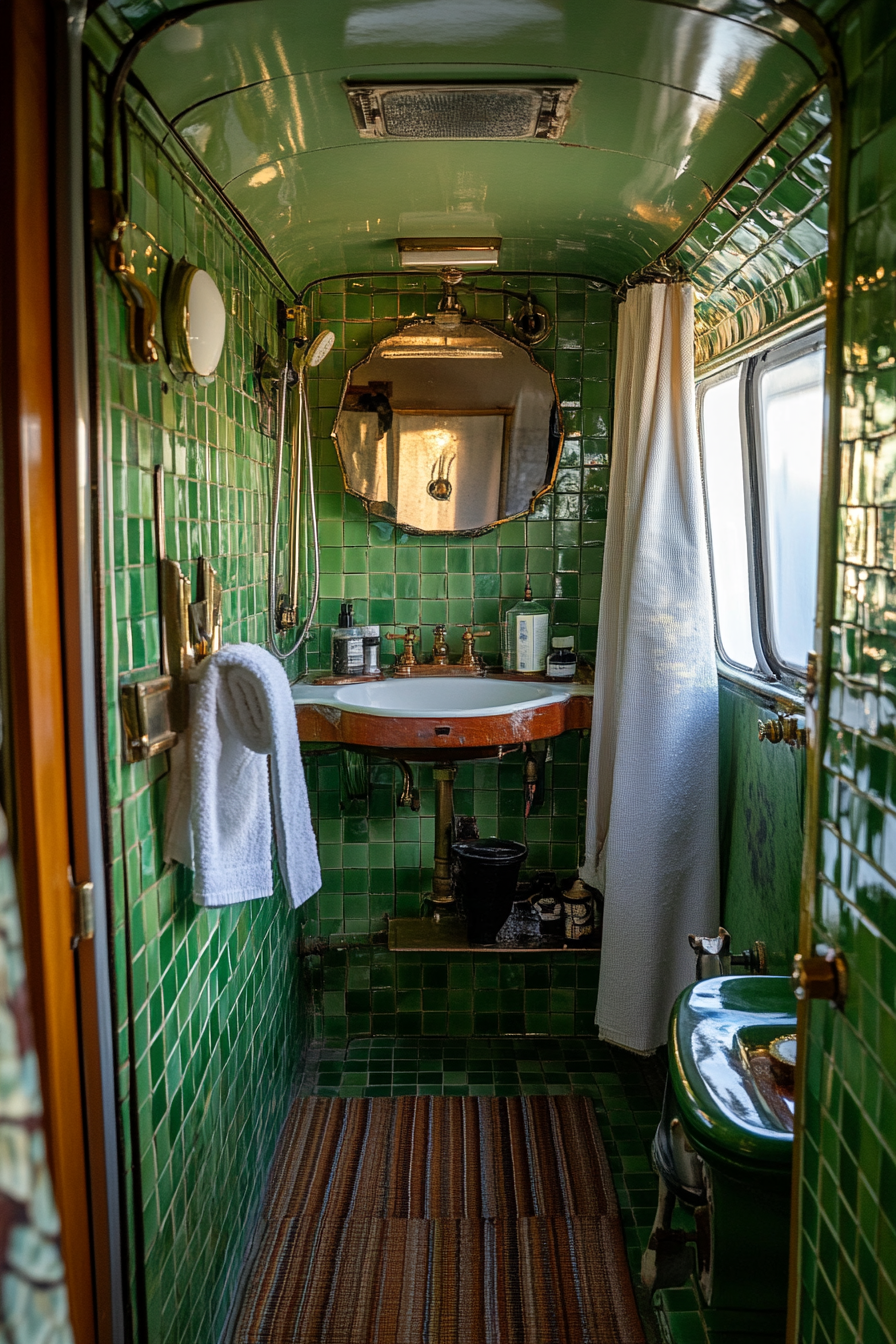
{"x":723,"y":1152}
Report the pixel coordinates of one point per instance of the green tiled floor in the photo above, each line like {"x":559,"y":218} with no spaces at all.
{"x":627,"y":1094}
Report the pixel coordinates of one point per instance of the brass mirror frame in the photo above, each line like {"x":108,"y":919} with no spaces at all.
{"x":450,"y":532}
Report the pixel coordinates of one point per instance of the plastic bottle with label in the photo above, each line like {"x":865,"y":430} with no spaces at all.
{"x":525,"y":635}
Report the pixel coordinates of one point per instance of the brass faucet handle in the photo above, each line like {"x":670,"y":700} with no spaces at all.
{"x":407,"y":657}
{"x":469,"y":657}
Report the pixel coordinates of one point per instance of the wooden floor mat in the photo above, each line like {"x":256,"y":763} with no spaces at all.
{"x":440,"y":1220}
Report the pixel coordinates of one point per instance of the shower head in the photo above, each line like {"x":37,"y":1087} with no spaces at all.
{"x":316,"y":352}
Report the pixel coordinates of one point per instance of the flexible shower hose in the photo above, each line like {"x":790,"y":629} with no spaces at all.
{"x":303,"y":428}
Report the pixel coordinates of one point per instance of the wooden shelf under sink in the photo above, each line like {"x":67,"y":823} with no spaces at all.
{"x":449,"y":934}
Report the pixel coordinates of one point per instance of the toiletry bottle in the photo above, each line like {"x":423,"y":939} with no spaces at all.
{"x":561,"y":664}
{"x":348,"y":645}
{"x":371,"y":650}
{"x":525,"y":635}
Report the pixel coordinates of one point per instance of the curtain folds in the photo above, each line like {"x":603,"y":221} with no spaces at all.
{"x":652,"y":817}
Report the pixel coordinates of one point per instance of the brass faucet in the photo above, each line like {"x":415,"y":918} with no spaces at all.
{"x":438,"y":664}
{"x":439,"y":655}
{"x":408,"y":658}
{"x":469,"y":657}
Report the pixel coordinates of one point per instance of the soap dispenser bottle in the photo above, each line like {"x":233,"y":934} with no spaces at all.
{"x":348,"y":645}
{"x":525,"y":635}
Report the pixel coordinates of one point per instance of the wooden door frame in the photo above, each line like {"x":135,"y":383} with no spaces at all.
{"x":817,"y":695}
{"x":51,"y":753}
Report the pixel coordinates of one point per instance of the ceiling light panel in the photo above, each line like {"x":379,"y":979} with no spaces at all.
{"x":441,"y":253}
{"x":487,"y":111}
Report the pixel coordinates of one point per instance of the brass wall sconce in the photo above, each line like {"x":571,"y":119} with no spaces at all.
{"x":108,"y":224}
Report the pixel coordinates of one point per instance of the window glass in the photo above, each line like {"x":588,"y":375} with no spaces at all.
{"x":791,"y":403}
{"x":726,"y":506}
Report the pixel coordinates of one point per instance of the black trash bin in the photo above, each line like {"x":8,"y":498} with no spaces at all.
{"x":489,"y":872}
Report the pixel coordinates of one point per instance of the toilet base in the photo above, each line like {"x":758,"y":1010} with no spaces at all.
{"x":684,"y":1318}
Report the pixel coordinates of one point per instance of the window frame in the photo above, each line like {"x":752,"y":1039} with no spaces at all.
{"x":770,"y":672}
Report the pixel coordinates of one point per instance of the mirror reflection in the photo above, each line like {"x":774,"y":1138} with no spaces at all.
{"x":448,"y":426}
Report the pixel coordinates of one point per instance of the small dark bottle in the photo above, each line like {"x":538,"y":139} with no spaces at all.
{"x":561,"y":664}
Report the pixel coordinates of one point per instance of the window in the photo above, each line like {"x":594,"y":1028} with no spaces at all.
{"x":761,"y":438}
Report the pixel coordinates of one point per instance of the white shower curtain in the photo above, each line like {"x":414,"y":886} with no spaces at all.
{"x":652,"y":816}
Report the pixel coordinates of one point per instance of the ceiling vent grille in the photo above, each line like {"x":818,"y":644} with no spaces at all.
{"x":460,"y":111}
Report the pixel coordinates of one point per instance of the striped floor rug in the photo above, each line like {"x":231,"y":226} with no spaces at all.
{"x":440,"y":1220}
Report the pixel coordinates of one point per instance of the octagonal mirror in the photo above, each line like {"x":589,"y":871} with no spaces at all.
{"x":449,"y":426}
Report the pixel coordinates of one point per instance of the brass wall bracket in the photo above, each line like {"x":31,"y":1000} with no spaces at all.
{"x":821,"y":977}
{"x":146,"y":715}
{"x":108,"y":223}
{"x":154,"y":712}
{"x":785,"y":728}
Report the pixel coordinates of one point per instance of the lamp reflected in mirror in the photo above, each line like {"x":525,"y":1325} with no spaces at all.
{"x":448,"y":426}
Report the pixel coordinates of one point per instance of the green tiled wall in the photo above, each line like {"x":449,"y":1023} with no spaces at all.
{"x":210,"y":1018}
{"x":759,"y":257}
{"x":364,"y":991}
{"x":762,"y":804}
{"x":849,"y":1142}
{"x":377,"y":861}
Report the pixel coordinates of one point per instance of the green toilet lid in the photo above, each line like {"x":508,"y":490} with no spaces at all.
{"x":715,"y":1026}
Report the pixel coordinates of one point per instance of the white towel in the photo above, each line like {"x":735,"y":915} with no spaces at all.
{"x":218,"y":818}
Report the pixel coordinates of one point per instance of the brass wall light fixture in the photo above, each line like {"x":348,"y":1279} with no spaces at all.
{"x":195,"y":321}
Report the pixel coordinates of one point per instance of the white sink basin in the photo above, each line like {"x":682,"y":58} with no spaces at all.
{"x":445,"y":697}
{"x":434,"y":697}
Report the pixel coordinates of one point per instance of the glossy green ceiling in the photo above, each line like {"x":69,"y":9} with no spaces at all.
{"x":672,"y":99}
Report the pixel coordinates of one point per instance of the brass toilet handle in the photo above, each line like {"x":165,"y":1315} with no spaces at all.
{"x":785,"y":728}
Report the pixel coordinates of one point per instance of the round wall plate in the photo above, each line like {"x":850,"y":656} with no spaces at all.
{"x":195,"y":321}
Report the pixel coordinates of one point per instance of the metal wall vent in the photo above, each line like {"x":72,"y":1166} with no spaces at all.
{"x":460,"y":111}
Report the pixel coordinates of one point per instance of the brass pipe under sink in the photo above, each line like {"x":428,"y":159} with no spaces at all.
{"x":442,"y":886}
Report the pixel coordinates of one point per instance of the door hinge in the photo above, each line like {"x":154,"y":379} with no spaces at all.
{"x":82,"y":912}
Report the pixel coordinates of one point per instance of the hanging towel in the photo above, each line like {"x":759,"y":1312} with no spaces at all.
{"x":651,"y":827}
{"x":219,"y":810}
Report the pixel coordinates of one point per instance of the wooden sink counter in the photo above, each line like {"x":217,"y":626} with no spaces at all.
{"x":447,"y":738}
